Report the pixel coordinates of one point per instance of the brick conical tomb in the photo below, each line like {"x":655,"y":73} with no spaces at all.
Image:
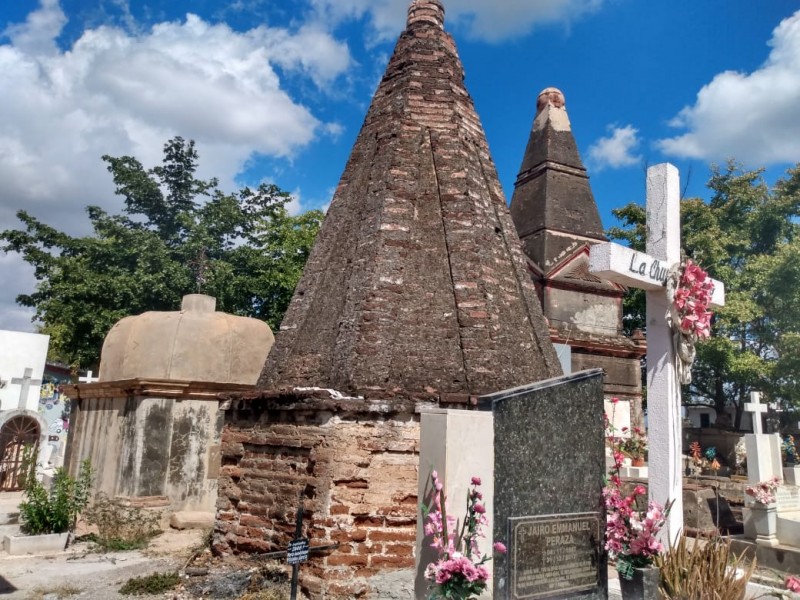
{"x":417,"y":281}
{"x":415,"y":294}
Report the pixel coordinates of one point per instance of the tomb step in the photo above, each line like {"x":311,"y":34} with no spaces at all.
{"x":788,"y":526}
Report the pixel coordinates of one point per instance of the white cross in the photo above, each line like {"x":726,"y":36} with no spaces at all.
{"x":88,"y":378}
{"x":649,"y":272}
{"x":756,"y":408}
{"x":25,"y":381}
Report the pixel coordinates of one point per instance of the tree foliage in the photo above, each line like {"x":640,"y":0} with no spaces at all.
{"x":747,"y":236}
{"x":176,"y":235}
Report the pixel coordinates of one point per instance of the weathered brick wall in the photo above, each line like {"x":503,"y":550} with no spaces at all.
{"x":355,"y":462}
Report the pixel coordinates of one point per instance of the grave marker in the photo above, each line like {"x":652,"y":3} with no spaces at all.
{"x":649,"y":272}
{"x":298,"y":549}
{"x":88,"y":378}
{"x":25,"y":381}
{"x":756,"y":409}
{"x":548,"y":502}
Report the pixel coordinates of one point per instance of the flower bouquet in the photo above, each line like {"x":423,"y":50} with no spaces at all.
{"x":636,"y":445}
{"x":764,"y":491}
{"x":789,"y":451}
{"x":691,"y":301}
{"x":458,"y":573}
{"x":631,"y":529}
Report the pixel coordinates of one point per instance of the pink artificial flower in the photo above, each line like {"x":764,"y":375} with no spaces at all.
{"x":479,"y":508}
{"x":793,"y":583}
{"x":614,"y":400}
{"x":476,"y":480}
{"x":500,"y":547}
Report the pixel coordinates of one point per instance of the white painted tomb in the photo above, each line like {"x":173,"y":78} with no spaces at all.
{"x":22,"y":359}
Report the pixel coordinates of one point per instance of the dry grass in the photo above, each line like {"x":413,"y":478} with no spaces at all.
{"x":61,"y":591}
{"x":704,"y":571}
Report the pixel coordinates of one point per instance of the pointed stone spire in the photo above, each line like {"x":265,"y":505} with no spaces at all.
{"x":417,"y":282}
{"x":425,"y":11}
{"x":553,"y":206}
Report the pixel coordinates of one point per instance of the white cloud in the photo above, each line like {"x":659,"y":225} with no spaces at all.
{"x":488,"y":21}
{"x":617,"y":149}
{"x":119,"y":92}
{"x":753,"y":117}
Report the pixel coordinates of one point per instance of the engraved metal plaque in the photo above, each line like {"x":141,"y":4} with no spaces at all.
{"x":554,"y":554}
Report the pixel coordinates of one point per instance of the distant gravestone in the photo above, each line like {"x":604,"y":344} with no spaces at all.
{"x":25,"y":382}
{"x":549,"y":462}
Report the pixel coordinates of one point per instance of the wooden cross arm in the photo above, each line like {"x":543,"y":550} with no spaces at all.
{"x":637,"y":269}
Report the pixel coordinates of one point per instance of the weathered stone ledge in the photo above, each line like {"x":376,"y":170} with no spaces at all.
{"x":195,"y":390}
{"x":386,"y":402}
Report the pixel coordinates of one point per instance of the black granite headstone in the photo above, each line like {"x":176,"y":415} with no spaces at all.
{"x":549,"y":464}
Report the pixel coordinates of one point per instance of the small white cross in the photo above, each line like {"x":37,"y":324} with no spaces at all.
{"x":756,"y":408}
{"x":88,"y":378}
{"x":26,"y":382}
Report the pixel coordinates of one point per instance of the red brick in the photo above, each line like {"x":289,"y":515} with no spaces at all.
{"x":400,"y":549}
{"x":377,"y":535}
{"x":347,"y":560}
{"x":397,"y":562}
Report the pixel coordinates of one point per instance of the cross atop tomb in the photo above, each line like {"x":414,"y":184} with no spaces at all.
{"x":649,"y":272}
{"x":25,"y":382}
{"x":757,"y":409}
{"x":88,"y":378}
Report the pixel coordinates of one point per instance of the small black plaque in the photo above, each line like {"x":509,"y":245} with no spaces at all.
{"x":554,"y":554}
{"x":297,"y":551}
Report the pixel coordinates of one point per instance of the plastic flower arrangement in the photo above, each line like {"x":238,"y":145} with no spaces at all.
{"x":458,"y":573}
{"x":741,"y":455}
{"x":630,"y":530}
{"x":691,"y":301}
{"x":789,"y":450}
{"x":764,"y":491}
{"x":793,"y":583}
{"x":636,"y":445}
{"x":699,"y":461}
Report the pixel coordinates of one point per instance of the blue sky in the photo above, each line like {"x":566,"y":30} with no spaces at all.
{"x":277,"y":90}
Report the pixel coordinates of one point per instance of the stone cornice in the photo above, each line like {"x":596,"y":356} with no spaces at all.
{"x":158,"y":388}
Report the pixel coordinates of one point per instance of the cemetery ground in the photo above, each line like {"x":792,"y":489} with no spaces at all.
{"x":83,"y":572}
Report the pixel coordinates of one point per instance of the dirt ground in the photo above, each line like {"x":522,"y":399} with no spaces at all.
{"x":81,"y":573}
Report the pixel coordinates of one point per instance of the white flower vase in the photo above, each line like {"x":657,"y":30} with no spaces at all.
{"x":765,"y":522}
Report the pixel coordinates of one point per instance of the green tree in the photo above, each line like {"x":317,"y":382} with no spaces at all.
{"x":176,"y":235}
{"x":748,"y":236}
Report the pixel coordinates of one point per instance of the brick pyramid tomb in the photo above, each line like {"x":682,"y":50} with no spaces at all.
{"x":557,"y":220}
{"x":415,"y":295}
{"x":417,"y":281}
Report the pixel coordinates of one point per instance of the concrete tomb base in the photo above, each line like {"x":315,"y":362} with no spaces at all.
{"x":150,"y":439}
{"x":35,"y":544}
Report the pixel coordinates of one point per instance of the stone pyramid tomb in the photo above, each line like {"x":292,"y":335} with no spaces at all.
{"x":417,"y":281}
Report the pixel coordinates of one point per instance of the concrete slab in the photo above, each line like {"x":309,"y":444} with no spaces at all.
{"x":780,"y":558}
{"x":35,"y":544}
